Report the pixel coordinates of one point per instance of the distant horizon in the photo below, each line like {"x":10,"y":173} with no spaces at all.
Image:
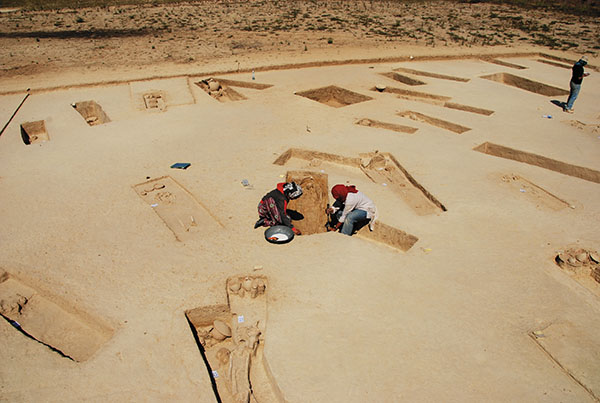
{"x":580,"y":7}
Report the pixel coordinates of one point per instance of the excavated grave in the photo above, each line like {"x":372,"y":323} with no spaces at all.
{"x":432,"y":75}
{"x":155,"y":101}
{"x":403,"y":79}
{"x":555,"y":64}
{"x":433,"y":99}
{"x":504,"y":63}
{"x":574,"y":350}
{"x":526,"y":84}
{"x":334,"y":96}
{"x":160,"y":94}
{"x":444,"y":124}
{"x":34,"y":132}
{"x":313,"y":203}
{"x":63,"y":328}
{"x":219,"y":91}
{"x":534,"y":193}
{"x":91,"y":112}
{"x":385,"y":125}
{"x":183,"y":214}
{"x":540,"y":161}
{"x":412,"y":95}
{"x":231,"y":339}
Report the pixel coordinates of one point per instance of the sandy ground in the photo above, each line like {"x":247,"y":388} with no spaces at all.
{"x":349,"y":320}
{"x":201,"y":33}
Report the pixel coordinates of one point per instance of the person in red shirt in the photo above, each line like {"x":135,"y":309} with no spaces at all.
{"x":272,"y":208}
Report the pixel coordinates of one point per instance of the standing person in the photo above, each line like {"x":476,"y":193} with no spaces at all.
{"x":351,"y":208}
{"x":272,"y":209}
{"x":575,"y":84}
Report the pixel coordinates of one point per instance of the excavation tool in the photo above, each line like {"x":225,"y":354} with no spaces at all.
{"x":15,"y":112}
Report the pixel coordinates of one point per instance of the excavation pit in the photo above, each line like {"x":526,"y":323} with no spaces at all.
{"x":534,"y":193}
{"x":388,"y":126}
{"x":434,"y":99}
{"x":91,"y":112}
{"x":389,"y":236}
{"x":526,"y":84}
{"x":34,"y":132}
{"x":467,"y":108}
{"x":443,"y":124}
{"x":384,"y":168}
{"x":231,"y":339}
{"x":582,"y":265}
{"x":182,"y":213}
{"x":505,"y":64}
{"x":312,"y":204}
{"x":414,"y":95}
{"x":242,"y":84}
{"x":63,"y":328}
{"x":155,"y":101}
{"x":219,"y":91}
{"x":432,"y":75}
{"x":403,"y":79}
{"x":573,"y":348}
{"x":555,"y":64}
{"x":379,"y":168}
{"x":334,"y":96}
{"x":310,"y":155}
{"x":540,"y":161}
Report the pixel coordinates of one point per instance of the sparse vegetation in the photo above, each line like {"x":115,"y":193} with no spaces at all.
{"x":277,"y":25}
{"x":574,"y":7}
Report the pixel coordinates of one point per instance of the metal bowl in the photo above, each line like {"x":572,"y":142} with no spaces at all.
{"x":279,"y":234}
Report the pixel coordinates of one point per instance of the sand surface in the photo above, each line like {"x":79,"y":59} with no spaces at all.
{"x":476,"y":310}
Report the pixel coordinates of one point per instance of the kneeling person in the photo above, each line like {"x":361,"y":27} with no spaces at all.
{"x":272,"y":209}
{"x":351,"y":208}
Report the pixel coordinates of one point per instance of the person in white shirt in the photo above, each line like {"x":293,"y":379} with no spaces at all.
{"x":352,"y":208}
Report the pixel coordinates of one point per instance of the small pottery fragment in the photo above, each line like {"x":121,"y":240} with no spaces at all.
{"x":235,"y":286}
{"x":220,"y":330}
{"x":223,"y":355}
{"x":222,"y":327}
{"x":261,"y":285}
{"x":214,"y":85}
{"x":247,"y":284}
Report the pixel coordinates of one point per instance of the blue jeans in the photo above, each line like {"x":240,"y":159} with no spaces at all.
{"x":573,"y":95}
{"x":351,"y":219}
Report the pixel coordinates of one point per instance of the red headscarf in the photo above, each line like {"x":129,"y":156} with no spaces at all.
{"x":339,"y":192}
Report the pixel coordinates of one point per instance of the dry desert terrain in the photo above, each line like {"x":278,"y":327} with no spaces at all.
{"x":124,"y":279}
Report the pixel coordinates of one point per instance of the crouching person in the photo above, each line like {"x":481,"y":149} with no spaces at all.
{"x":352,"y":209}
{"x":272,"y":209}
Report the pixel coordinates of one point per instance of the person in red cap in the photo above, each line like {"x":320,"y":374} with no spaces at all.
{"x":272,"y":209}
{"x":351,"y":208}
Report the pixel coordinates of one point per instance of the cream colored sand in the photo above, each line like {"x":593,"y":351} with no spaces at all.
{"x":349,"y":320}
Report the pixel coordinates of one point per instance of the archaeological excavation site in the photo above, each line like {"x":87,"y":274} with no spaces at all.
{"x":131,"y":271}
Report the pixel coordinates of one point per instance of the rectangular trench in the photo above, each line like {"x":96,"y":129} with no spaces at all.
{"x":540,"y":161}
{"x":63,"y":328}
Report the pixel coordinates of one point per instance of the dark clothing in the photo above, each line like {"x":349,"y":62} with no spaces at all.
{"x":273,"y":208}
{"x":577,"y":77}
